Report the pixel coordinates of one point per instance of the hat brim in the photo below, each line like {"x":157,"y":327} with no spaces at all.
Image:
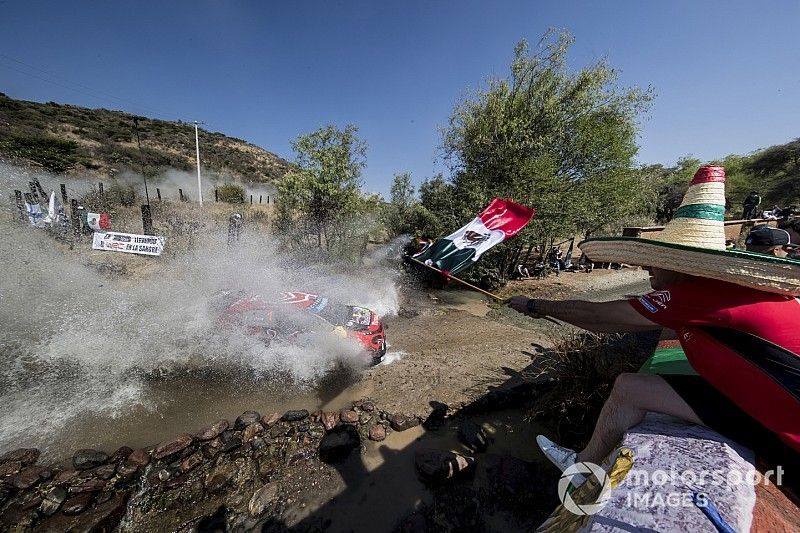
{"x":763,"y":272}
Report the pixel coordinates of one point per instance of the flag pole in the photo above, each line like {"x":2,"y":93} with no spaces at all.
{"x":473,"y":287}
{"x":461,"y":281}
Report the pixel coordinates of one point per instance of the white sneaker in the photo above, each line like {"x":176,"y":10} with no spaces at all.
{"x":562,"y":457}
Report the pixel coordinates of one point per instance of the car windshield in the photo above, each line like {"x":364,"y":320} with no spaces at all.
{"x":335,"y":313}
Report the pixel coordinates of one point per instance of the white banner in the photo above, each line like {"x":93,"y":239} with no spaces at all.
{"x":128,"y":242}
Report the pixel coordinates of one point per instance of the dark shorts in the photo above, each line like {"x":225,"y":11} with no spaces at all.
{"x":723,"y":416}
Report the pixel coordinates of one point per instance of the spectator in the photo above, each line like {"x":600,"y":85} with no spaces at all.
{"x":750,"y":205}
{"x":523,"y":272}
{"x":771,"y":241}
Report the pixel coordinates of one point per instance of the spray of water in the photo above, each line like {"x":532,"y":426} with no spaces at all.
{"x":75,"y":341}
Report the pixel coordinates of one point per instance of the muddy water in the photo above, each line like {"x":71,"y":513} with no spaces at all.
{"x":381,"y":486}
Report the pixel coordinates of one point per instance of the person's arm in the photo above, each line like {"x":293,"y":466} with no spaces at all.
{"x":600,"y":317}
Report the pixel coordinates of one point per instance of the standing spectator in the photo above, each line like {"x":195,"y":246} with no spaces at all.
{"x":771,"y":241}
{"x":750,"y":205}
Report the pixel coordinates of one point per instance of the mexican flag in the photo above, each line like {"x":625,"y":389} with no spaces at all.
{"x":500,"y":221}
{"x":98,"y":221}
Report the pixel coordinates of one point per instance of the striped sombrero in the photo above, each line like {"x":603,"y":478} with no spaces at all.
{"x":693,"y":243}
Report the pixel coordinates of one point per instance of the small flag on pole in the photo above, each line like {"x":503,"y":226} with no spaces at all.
{"x":499,"y":222}
{"x":98,"y":221}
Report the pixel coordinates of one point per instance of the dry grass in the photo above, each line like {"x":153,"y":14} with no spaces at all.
{"x":582,"y":369}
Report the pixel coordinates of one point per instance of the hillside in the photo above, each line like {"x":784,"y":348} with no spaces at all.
{"x":72,"y":139}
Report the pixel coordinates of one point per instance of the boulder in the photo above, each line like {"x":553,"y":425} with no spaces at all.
{"x":261,"y":499}
{"x":192,"y":462}
{"x":26,"y":456}
{"x":52,"y":500}
{"x":435,"y":466}
{"x":368,"y":406}
{"x":172,"y":446}
{"x":402,"y":422}
{"x":213,"y":431}
{"x":472,"y":436}
{"x":104,"y":471}
{"x":337,"y":443}
{"x":270,"y":420}
{"x":216,"y":483}
{"x":90,"y":485}
{"x":30,"y":476}
{"x":348,"y":416}
{"x":139,"y":457}
{"x":328,"y":420}
{"x":86,"y":459}
{"x":120,"y":454}
{"x":377,"y":433}
{"x":78,"y":504}
{"x":294,"y":416}
{"x":10,"y":468}
{"x":251,"y":431}
{"x":245,"y":419}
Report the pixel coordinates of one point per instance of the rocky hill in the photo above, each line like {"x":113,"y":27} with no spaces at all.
{"x":71,"y":139}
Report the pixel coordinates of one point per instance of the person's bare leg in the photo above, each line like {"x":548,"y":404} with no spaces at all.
{"x":632,"y":396}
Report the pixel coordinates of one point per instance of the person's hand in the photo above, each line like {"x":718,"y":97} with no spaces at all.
{"x":520,"y":305}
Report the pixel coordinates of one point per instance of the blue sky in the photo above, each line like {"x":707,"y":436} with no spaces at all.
{"x":725,"y":72}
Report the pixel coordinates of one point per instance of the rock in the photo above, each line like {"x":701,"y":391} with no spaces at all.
{"x":90,"y":485}
{"x":65,"y":476}
{"x":377,"y":433}
{"x":86,"y":459}
{"x":216,"y":483}
{"x":104,"y":471}
{"x":103,"y":497}
{"x":364,"y":419}
{"x":402,"y":422}
{"x":294,"y":416}
{"x":172,"y":446}
{"x":316,"y":432}
{"x":348,"y":416}
{"x":127,"y":471}
{"x":10,"y":468}
{"x":26,"y":456}
{"x":52,"y":500}
{"x":139,"y":457}
{"x":270,"y":420}
{"x":434,"y":466}
{"x":261,"y":499}
{"x":245,"y":419}
{"x":472,"y":436}
{"x":30,"y":476}
{"x":337,"y":443}
{"x":251,"y":431}
{"x":213,"y":431}
{"x":78,"y":504}
{"x":192,"y":462}
{"x":368,"y":406}
{"x":328,"y":420}
{"x":121,"y":454}
{"x":231,"y":444}
{"x":103,"y":517}
{"x":303,"y":428}
{"x":278,"y":431}
{"x":213,"y":448}
{"x":164,"y":474}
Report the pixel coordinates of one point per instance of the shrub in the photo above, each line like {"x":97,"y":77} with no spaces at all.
{"x":231,"y":193}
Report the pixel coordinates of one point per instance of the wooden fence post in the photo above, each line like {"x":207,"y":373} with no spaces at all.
{"x":64,"y":195}
{"x":147,"y":220}
{"x":20,"y":205}
{"x":158,"y":192}
{"x":75,"y":219}
{"x":100,"y":188}
{"x":216,"y":195}
{"x":34,"y":193}
{"x":259,"y":199}
{"x":251,"y":199}
{"x":180,"y":193}
{"x":40,"y":189}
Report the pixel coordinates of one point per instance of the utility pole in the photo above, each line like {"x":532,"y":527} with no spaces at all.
{"x":197,"y":149}
{"x":141,"y":158}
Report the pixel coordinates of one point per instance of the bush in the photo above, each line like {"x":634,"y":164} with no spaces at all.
{"x":231,"y":193}
{"x":53,"y":154}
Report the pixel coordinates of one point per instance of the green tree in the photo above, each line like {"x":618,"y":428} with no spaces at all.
{"x":404,"y":214}
{"x":559,"y":141}
{"x":320,"y":200}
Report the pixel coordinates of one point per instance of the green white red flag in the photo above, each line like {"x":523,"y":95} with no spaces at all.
{"x":497,"y":223}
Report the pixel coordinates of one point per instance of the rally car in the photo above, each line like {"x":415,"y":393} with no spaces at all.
{"x":293,"y":314}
